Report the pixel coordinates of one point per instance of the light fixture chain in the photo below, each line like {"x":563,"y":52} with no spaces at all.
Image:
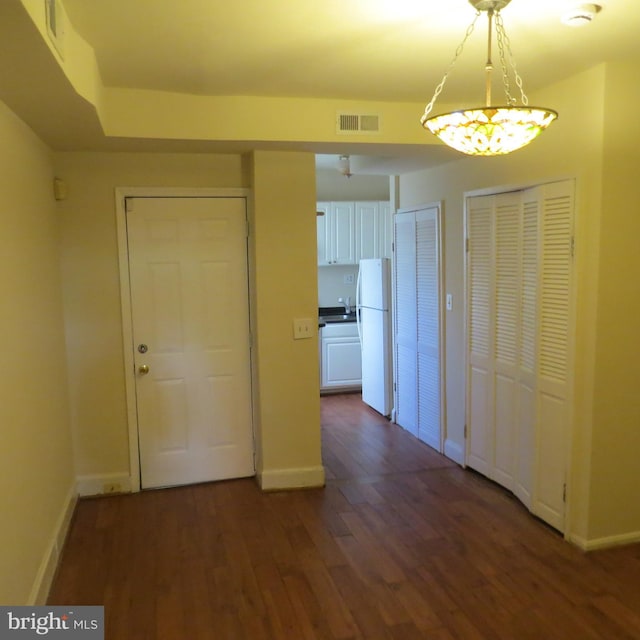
{"x":500,"y":35}
{"x":458,"y":53}
{"x":503,"y":39}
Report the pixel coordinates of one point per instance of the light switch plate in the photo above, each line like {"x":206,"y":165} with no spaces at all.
{"x":449,"y":302}
{"x":302,"y":328}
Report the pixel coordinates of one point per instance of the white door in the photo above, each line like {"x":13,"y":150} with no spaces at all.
{"x":417,"y":324}
{"x":405,"y":322}
{"x":190,"y":317}
{"x":519,"y":267}
{"x":428,"y":327}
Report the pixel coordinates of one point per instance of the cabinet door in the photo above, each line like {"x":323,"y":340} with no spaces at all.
{"x":342,"y":233}
{"x":322,"y":230}
{"x":367,"y":230}
{"x":341,"y":362}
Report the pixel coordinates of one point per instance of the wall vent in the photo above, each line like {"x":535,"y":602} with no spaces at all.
{"x":357,"y":123}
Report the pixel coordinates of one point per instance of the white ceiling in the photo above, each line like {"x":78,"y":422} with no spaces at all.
{"x":382,"y":50}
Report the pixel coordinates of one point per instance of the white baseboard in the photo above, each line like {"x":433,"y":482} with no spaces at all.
{"x":272,"y":480}
{"x":103,"y":484}
{"x":51,"y":558}
{"x":454,"y":451}
{"x":605,"y":542}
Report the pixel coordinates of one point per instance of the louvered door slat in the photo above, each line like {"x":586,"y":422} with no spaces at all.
{"x":507,"y":279}
{"x":529,"y":284}
{"x":555,"y":287}
{"x":480,"y":278}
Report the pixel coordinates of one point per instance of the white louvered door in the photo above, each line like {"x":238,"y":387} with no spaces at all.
{"x":405,"y":318}
{"x":554,"y":352}
{"x":417,"y":324}
{"x":481,"y":336}
{"x":428,"y":327}
{"x":526,"y":386}
{"x":519,"y":295}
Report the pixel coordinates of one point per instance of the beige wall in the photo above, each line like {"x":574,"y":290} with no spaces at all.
{"x":36,"y":465}
{"x":284,"y":283}
{"x":572,"y":147}
{"x":92,"y":288}
{"x":616,"y":407}
{"x":285,"y":287}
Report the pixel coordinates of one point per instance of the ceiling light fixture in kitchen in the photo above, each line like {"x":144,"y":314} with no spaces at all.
{"x":344,"y":166}
{"x":490,"y":130}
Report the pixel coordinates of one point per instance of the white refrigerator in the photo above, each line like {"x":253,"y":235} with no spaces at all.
{"x":373,"y":314}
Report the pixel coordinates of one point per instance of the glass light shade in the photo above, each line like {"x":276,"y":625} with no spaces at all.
{"x":489,"y":131}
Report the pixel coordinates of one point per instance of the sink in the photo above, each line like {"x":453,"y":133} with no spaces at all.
{"x":338,"y":317}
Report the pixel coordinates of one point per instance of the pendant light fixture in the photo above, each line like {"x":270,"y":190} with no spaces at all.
{"x":344,"y":166}
{"x":490,"y":130}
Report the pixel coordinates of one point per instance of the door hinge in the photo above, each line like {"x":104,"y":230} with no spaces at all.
{"x":393,"y":247}
{"x":573,"y":246}
{"x":564,"y":492}
{"x":395,"y":388}
{"x":466,"y":245}
{"x":128,"y":205}
{"x":465,"y":431}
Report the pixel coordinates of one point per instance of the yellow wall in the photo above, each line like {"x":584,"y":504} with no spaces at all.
{"x":92,"y":286}
{"x":285,"y":282}
{"x":565,"y":150}
{"x":616,"y":407}
{"x":36,"y":463}
{"x":284,"y":287}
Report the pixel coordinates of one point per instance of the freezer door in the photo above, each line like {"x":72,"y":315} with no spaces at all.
{"x":374,"y":283}
{"x":376,"y":360}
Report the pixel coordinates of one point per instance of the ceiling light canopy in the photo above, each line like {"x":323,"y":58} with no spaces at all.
{"x":490,"y":130}
{"x":581,"y":16}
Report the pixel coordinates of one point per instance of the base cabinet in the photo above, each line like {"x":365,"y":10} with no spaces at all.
{"x":341,"y":359}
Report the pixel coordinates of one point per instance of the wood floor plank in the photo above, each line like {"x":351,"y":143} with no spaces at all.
{"x":401,"y":543}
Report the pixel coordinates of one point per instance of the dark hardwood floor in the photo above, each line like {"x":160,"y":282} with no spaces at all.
{"x":401,"y":543}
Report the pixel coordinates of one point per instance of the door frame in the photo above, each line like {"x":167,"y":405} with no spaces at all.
{"x":121,"y":193}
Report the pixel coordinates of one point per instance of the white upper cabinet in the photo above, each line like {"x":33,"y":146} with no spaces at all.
{"x":343,"y":232}
{"x":368,"y":230}
{"x":351,"y":231}
{"x":322,"y":216}
{"x":336,"y":230}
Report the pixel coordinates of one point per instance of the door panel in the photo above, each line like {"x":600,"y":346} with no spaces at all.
{"x":189,"y":300}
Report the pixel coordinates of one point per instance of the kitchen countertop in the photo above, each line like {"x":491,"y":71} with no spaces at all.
{"x":332,"y":315}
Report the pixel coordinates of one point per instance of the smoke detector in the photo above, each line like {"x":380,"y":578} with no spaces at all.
{"x":581,"y":16}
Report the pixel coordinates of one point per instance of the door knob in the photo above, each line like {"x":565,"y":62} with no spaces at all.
{"x":143,"y":370}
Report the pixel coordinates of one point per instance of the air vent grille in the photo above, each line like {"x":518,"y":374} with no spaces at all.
{"x":358,"y":123}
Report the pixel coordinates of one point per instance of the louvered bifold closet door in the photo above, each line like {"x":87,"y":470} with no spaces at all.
{"x":480,"y":319}
{"x":405,"y":314}
{"x":554,"y":381}
{"x":428,"y":327}
{"x":526,"y":388}
{"x":507,"y":229}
